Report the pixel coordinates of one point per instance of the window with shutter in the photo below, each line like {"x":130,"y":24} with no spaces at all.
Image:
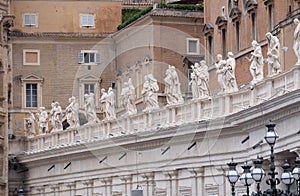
{"x":88,"y":57}
{"x":87,"y":20}
{"x":30,"y":20}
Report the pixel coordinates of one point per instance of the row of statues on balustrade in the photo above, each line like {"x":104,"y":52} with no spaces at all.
{"x":225,"y":70}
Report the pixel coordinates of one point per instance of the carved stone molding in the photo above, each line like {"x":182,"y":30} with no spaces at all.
{"x":268,"y":2}
{"x":235,"y":14}
{"x":221,"y":22}
{"x":251,"y":6}
{"x":196,"y":171}
{"x":208,"y":29}
{"x":172,"y":174}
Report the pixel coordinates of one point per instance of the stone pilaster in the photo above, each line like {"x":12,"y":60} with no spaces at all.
{"x":149,"y":178}
{"x":107,"y":186}
{"x":172,"y":178}
{"x":197,"y":181}
{"x":72,"y":188}
{"x":55,"y":189}
{"x":127,"y":184}
{"x":89,"y":187}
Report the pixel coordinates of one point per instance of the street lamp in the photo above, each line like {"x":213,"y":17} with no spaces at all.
{"x":246,"y":177}
{"x":296,"y":173}
{"x":232,"y":175}
{"x":286,"y":177}
{"x":258,"y":173}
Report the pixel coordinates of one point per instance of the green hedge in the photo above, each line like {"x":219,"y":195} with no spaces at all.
{"x":181,"y":6}
{"x":135,"y":17}
{"x":131,"y":14}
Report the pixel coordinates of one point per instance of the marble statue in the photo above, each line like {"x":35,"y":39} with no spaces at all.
{"x":107,"y":102}
{"x":200,"y":76}
{"x":42,"y":120}
{"x":229,"y":74}
{"x":194,"y":86}
{"x":55,"y":117}
{"x":110,"y":103}
{"x":30,"y":125}
{"x":72,"y":111}
{"x":296,"y":45}
{"x":90,"y":108}
{"x":150,"y":87}
{"x":257,"y":64}
{"x":128,"y":97}
{"x":220,"y":65}
{"x":273,"y":54}
{"x":172,"y":87}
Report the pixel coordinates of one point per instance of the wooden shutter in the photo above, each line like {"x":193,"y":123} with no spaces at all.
{"x":80,"y":57}
{"x":91,"y":20}
{"x":98,"y":58}
{"x":84,"y":20}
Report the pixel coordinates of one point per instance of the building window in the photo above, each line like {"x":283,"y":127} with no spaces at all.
{"x":253,"y":23}
{"x":31,"y":95}
{"x":88,"y":57}
{"x":31,"y":57}
{"x":89,"y":88}
{"x":31,"y":91}
{"x":237,"y":35}
{"x":224,"y":42}
{"x":210,"y":50}
{"x":193,"y":46}
{"x":87,"y":20}
{"x":29,"y":20}
{"x":270,"y":17}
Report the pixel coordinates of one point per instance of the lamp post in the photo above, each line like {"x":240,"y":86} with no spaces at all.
{"x":286,"y":177}
{"x":246,"y":177}
{"x":232,"y":175}
{"x":296,"y":173}
{"x":258,"y":173}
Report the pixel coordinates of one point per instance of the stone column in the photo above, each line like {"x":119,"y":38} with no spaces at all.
{"x":127,"y":185}
{"x":89,"y":187}
{"x":72,"y":188}
{"x":149,"y":177}
{"x":41,"y":190}
{"x":172,"y":177}
{"x":55,"y":188}
{"x":197,"y":182}
{"x":107,"y":186}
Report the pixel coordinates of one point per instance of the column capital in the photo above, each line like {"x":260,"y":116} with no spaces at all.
{"x":197,"y":171}
{"x":88,"y":182}
{"x":106,"y":180}
{"x":71,"y":184}
{"x":171,"y":173}
{"x":126,"y":178}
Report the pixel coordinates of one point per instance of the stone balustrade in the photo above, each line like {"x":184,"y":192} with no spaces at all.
{"x":173,"y":115}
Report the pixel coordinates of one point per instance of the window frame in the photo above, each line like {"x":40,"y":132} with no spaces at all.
{"x":30,"y":25}
{"x":32,"y":79}
{"x":81,"y":57}
{"x":89,"y":79}
{"x":87,"y":25}
{"x":197,"y":46}
{"x":31,"y":50}
{"x":32,"y":103}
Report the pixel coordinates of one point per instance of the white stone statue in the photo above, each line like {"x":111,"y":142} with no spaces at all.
{"x":172,"y":87}
{"x":55,"y":117}
{"x":150,"y":87}
{"x":194,"y":86}
{"x":42,"y":120}
{"x":30,"y":125}
{"x":90,"y":108}
{"x":220,"y":65}
{"x":229,"y":74}
{"x":72,"y":111}
{"x":107,"y":102}
{"x":257,"y":64}
{"x":273,"y":54}
{"x":110,"y":103}
{"x":128,"y":97}
{"x":201,"y":76}
{"x":296,"y":45}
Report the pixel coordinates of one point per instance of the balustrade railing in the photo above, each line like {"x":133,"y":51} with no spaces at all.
{"x":192,"y":110}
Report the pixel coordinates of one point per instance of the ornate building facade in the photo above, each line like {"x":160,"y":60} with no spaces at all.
{"x":173,"y":149}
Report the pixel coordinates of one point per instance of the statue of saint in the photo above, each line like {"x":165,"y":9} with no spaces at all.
{"x":199,"y":80}
{"x":30,"y":125}
{"x":128,"y":97}
{"x":229,"y":74}
{"x":220,"y":65}
{"x":55,"y":117}
{"x":257,"y":64}
{"x":172,"y":87}
{"x":150,"y":87}
{"x":42,"y":120}
{"x":90,"y":108}
{"x":72,"y":111}
{"x":273,"y":54}
{"x":296,"y":45}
